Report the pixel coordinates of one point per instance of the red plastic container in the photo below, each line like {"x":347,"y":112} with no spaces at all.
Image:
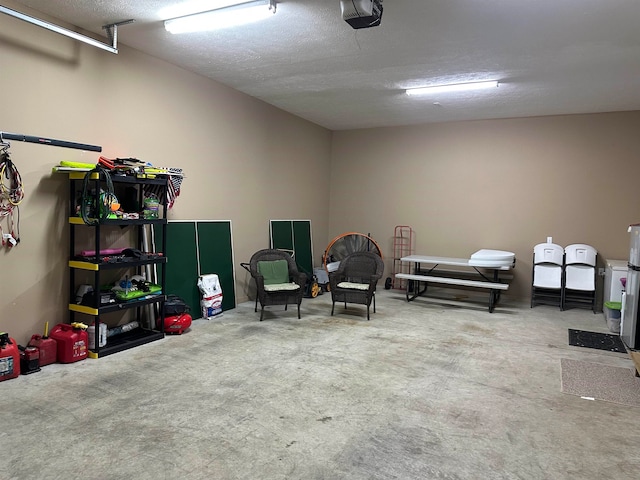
{"x":29,"y":360}
{"x":72,"y":341}
{"x":177,"y":323}
{"x":48,"y":348}
{"x":9,"y":358}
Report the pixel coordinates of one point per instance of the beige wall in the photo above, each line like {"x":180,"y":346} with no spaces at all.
{"x":501,"y":184}
{"x":504,"y":184}
{"x":245,"y":161}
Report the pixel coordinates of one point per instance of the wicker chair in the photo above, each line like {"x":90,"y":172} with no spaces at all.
{"x":289,"y":291}
{"x":355,"y":280}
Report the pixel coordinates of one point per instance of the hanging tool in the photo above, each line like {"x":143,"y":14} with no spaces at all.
{"x":11,"y":195}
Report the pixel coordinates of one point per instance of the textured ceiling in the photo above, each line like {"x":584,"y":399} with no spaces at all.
{"x":550,"y":56}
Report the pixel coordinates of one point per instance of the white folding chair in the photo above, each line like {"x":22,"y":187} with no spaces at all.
{"x":546,"y":285}
{"x":579,"y":276}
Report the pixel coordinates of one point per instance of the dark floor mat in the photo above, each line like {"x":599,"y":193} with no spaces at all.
{"x":600,"y":341}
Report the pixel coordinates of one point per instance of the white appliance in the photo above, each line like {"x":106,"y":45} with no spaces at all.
{"x":629,"y":330}
{"x":614,"y":271}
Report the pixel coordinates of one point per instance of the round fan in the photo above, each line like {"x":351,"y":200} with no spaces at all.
{"x":346,"y":244}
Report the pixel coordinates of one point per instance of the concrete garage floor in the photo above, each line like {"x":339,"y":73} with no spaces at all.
{"x":425,"y":390}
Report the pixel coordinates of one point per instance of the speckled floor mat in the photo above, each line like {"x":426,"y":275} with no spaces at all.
{"x":595,"y":381}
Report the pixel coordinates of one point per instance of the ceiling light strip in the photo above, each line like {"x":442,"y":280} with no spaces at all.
{"x":61,"y":30}
{"x":231,"y":15}
{"x":454,"y":87}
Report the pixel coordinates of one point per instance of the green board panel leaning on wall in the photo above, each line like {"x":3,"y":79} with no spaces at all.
{"x":197,"y":248}
{"x":294,"y":235}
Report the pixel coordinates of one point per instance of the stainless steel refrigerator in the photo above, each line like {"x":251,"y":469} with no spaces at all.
{"x":629,"y":326}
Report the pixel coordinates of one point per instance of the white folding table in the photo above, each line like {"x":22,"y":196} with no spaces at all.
{"x":481,"y":270}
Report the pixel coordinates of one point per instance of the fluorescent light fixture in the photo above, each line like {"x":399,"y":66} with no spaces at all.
{"x":454,"y":87}
{"x":189,"y":7}
{"x":229,"y":16}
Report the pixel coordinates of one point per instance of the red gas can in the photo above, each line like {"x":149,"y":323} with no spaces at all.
{"x":9,"y":357}
{"x":48,"y":348}
{"x":72,"y":341}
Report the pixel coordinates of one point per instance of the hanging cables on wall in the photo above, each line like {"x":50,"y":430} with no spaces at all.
{"x":96,"y":206}
{"x":11,"y":194}
{"x":11,"y":187}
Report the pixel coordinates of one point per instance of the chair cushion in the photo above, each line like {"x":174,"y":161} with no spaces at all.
{"x":274,"y":271}
{"x":354,"y":286}
{"x":277,"y":287}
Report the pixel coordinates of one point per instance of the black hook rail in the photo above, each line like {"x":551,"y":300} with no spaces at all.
{"x":49,"y":141}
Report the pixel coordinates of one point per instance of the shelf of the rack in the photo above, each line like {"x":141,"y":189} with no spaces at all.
{"x":115,"y":307}
{"x":145,"y":179}
{"x":125,"y":341}
{"x":84,"y":265}
{"x":83,"y":309}
{"x":95,"y":266}
{"x":122,"y":223}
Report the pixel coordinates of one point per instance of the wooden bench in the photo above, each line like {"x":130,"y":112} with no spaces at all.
{"x":494,"y":287}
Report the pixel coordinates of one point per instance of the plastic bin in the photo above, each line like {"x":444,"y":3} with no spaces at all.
{"x":612,"y":315}
{"x":614,"y":271}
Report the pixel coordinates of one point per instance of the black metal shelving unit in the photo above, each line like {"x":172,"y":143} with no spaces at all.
{"x":99,"y":264}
